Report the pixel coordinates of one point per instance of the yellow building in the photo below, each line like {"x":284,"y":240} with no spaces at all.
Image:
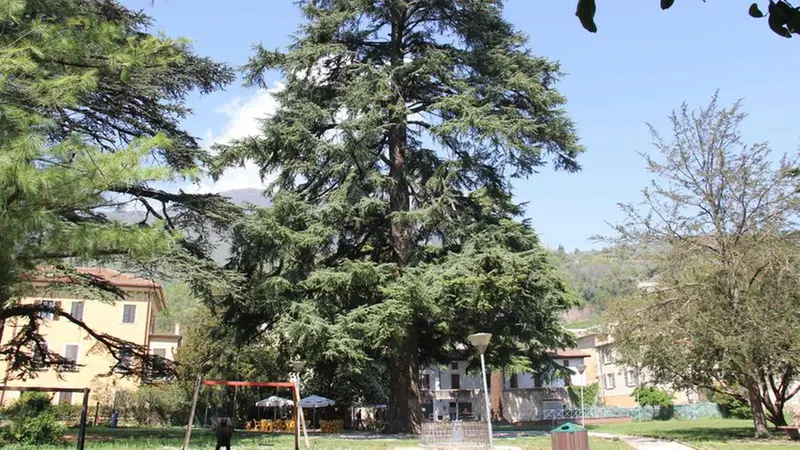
{"x":131,"y":319}
{"x":617,"y":381}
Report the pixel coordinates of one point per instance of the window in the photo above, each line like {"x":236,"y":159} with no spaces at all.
{"x":71,"y":355}
{"x":48,"y":304}
{"x":537,"y":380}
{"x":609,"y":381}
{"x":76,"y":310}
{"x":455,"y":381}
{"x":125,"y":356}
{"x":160,"y":352}
{"x":38,"y":356}
{"x":513,"y":381}
{"x":566,"y":363}
{"x":65,"y":397}
{"x":606,"y":355}
{"x":129,"y":314}
{"x":454,"y":366}
{"x":631,"y":378}
{"x":425,"y":382}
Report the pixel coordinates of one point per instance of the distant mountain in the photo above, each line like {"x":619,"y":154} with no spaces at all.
{"x":242,"y":196}
{"x":239,"y":197}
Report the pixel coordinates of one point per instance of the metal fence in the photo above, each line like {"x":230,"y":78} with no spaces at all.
{"x":462,"y":435}
{"x":681,"y":412}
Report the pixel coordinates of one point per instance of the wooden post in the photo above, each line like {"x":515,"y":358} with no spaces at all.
{"x":191,"y":415}
{"x":235,"y":397}
{"x":296,"y":418}
{"x":84,"y":413}
{"x":96,"y":414}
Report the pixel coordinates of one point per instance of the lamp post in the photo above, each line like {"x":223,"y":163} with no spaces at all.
{"x":297,"y":366}
{"x":581,"y":369}
{"x":481,"y":341}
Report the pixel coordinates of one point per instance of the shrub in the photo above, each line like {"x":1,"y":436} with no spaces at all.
{"x":32,"y":421}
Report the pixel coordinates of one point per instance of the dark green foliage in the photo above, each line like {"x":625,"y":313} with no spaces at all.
{"x":392,"y":235}
{"x":32,"y":421}
{"x":782,"y":17}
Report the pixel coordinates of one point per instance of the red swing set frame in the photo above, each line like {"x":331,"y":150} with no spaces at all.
{"x":275,"y":384}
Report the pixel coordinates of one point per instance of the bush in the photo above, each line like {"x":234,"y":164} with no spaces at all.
{"x":32,"y":421}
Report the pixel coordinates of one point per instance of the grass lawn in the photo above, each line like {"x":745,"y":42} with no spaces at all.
{"x":172,"y":438}
{"x":703,"y":433}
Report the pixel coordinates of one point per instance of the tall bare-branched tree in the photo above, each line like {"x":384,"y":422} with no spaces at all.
{"x":723,"y":315}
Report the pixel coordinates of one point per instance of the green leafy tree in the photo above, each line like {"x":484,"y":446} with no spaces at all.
{"x":723,"y":312}
{"x":89,"y":106}
{"x":392,"y":235}
{"x":783,"y":18}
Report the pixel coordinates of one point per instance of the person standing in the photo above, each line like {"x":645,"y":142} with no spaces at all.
{"x":224,"y":433}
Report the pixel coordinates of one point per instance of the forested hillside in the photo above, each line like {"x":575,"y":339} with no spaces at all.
{"x":599,"y":275}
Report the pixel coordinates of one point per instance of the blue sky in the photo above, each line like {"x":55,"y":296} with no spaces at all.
{"x":642,"y":63}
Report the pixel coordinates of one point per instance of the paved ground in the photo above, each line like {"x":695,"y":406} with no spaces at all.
{"x":643,"y":443}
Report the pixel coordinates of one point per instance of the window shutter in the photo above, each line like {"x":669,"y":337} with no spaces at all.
{"x":58,"y":306}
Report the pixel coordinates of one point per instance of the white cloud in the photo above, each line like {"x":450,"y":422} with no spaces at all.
{"x":244,"y":120}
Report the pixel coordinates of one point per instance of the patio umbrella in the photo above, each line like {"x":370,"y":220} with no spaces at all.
{"x":314,"y":401}
{"x":274,"y":402}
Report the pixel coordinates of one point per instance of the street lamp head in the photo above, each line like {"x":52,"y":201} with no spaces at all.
{"x":480,"y":341}
{"x":297,"y":365}
{"x":580,"y":369}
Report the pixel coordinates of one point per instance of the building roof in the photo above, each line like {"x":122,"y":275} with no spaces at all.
{"x":110,"y":276}
{"x":568,"y":353}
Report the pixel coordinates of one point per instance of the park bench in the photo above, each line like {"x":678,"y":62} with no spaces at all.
{"x":792,"y":431}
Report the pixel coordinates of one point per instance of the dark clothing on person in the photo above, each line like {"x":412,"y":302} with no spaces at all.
{"x":224,"y":432}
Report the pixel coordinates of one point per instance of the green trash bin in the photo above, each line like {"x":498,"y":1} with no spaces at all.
{"x":569,"y":437}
